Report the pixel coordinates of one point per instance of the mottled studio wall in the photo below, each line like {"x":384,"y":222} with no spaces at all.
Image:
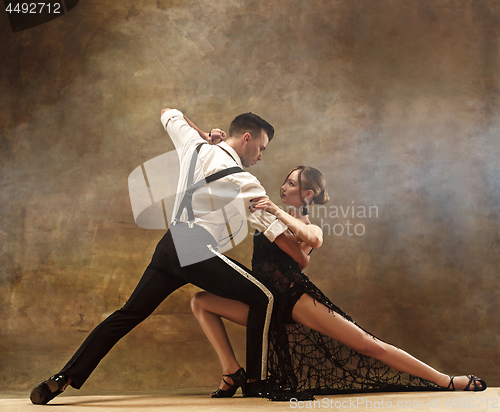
{"x":396,"y":101}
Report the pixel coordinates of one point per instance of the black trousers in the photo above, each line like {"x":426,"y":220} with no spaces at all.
{"x":218,"y":275}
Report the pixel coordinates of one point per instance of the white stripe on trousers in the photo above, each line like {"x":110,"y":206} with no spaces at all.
{"x":269,"y":310}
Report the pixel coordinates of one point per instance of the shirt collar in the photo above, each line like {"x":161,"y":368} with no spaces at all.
{"x":232,"y":151}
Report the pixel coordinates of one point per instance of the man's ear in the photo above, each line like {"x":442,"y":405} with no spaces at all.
{"x":246,"y":137}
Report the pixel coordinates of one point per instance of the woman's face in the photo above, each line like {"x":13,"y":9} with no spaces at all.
{"x":290,"y":192}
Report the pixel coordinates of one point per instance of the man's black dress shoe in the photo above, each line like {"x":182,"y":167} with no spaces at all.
{"x":49,"y":389}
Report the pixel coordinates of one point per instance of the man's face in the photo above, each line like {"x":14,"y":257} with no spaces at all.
{"x":253,"y":148}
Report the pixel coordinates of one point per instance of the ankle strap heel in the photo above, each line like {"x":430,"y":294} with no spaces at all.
{"x":239,"y":379}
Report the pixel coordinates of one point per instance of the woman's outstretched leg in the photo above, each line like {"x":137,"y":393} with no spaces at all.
{"x":317,"y":316}
{"x":208,"y":310}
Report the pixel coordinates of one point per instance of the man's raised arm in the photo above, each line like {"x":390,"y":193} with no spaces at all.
{"x":215,"y":136}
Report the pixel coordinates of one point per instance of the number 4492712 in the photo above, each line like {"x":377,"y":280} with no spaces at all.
{"x":34,"y":8}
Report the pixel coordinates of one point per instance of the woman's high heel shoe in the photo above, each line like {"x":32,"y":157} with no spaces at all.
{"x":473,"y":380}
{"x":239,"y":380}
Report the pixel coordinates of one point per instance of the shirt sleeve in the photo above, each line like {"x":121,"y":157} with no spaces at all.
{"x":178,"y":129}
{"x":263,"y":221}
{"x":275,"y":229}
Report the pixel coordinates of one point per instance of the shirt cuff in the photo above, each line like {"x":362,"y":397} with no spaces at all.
{"x":274,"y":230}
{"x":165,"y":117}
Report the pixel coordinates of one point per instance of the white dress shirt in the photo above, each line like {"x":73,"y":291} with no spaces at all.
{"x":222,"y":206}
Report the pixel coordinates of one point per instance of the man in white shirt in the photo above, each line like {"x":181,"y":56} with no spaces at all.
{"x":205,"y":215}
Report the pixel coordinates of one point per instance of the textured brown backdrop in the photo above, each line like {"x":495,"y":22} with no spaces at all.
{"x":396,"y":101}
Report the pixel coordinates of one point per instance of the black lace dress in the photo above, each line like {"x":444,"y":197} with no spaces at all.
{"x":303,"y":362}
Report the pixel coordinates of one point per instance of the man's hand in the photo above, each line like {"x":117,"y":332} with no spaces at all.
{"x":163,"y":111}
{"x":216,"y":136}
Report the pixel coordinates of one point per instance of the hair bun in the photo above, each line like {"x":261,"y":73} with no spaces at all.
{"x":313,"y":180}
{"x":322,"y":198}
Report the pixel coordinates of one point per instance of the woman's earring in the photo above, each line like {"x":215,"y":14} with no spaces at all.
{"x":304,"y":210}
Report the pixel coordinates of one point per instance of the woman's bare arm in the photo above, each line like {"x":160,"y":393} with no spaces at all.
{"x":288,"y":244}
{"x":311,"y":235}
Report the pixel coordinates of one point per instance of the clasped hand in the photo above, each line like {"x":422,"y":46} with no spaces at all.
{"x":215,"y":136}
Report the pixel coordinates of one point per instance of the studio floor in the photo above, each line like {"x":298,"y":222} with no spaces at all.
{"x":188,"y":400}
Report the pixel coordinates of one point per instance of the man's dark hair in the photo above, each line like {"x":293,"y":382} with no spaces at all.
{"x":251,"y":123}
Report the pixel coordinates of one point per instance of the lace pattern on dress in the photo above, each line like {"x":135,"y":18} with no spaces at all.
{"x":303,"y":362}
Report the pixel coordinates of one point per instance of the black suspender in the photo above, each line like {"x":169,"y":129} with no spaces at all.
{"x":187,"y":200}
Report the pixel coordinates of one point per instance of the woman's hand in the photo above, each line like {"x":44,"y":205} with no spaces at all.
{"x":215,"y":136}
{"x":311,"y":235}
{"x":264,"y":203}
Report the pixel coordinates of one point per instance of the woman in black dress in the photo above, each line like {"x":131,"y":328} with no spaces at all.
{"x":314,"y":347}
